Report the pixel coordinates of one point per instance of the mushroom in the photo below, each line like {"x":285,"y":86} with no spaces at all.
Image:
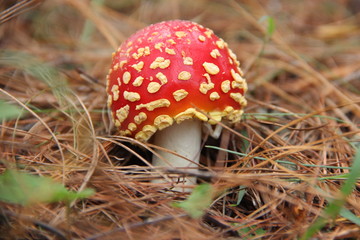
{"x":168,"y":78}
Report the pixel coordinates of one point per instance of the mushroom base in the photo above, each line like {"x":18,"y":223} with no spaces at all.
{"x":185,"y":140}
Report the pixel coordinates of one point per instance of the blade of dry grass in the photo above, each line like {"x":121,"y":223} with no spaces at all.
{"x":113,"y":36}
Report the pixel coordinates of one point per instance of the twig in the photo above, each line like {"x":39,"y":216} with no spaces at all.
{"x":37,"y":223}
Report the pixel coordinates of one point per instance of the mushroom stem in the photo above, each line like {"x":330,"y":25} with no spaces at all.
{"x":185,"y":140}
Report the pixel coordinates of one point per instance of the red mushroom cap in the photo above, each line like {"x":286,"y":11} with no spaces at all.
{"x":172,"y":71}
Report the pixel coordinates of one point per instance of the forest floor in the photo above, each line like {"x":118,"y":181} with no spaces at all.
{"x":288,"y":170}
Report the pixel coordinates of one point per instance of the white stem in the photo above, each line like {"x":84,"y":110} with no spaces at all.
{"x":185,"y":140}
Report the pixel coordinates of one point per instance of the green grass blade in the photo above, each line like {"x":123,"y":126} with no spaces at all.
{"x":334,"y":208}
{"x":275,"y":115}
{"x":287,"y":162}
{"x":279,"y":161}
{"x":270,"y":28}
{"x":345,"y":213}
{"x":39,"y":70}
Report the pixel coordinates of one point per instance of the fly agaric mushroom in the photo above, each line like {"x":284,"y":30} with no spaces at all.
{"x":167,"y":78}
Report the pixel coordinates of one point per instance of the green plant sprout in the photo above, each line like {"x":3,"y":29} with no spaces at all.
{"x":199,"y":200}
{"x":25,"y":189}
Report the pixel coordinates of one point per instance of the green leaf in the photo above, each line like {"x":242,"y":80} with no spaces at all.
{"x":199,"y":200}
{"x":25,"y":189}
{"x":9,"y":111}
